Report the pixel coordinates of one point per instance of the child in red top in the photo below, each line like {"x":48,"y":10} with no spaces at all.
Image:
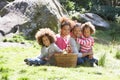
{"x":86,"y":41}
{"x":64,"y":37}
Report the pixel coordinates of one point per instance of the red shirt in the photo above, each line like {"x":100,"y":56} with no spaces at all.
{"x":85,"y":44}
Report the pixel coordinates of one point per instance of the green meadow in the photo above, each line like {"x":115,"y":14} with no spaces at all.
{"x":107,"y":50}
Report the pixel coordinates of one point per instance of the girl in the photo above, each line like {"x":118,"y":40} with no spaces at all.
{"x":86,"y":41}
{"x":64,"y":37}
{"x":76,"y":33}
{"x":46,"y":38}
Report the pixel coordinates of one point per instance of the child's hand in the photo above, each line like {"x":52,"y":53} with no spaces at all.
{"x":90,"y":53}
{"x":46,"y":58}
{"x":69,"y":49}
{"x":90,"y":56}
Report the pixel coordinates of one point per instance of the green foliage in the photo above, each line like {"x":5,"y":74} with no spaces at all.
{"x":104,"y":8}
{"x":76,"y":5}
{"x":68,"y":5}
{"x":2,"y":69}
{"x":117,"y":55}
{"x":15,"y":38}
{"x":102,"y":60}
{"x":4,"y":77}
{"x":105,"y":11}
{"x":115,"y":31}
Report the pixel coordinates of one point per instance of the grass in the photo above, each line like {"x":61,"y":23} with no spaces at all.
{"x":12,"y":66}
{"x":102,"y":60}
{"x":118,"y":55}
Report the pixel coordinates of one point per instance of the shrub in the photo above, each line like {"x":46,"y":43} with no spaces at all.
{"x":15,"y":38}
{"x":114,"y":31}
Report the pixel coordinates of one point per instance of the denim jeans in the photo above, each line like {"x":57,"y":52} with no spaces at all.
{"x":82,"y":60}
{"x":36,"y":61}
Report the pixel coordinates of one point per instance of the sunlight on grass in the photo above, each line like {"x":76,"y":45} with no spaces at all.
{"x":16,"y":69}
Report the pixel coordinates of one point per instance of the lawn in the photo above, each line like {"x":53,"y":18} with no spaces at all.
{"x":12,"y":66}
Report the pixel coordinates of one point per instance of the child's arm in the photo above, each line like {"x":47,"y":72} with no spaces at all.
{"x":42,"y":54}
{"x":84,"y":42}
{"x":54,"y":49}
{"x":48,"y":57}
{"x":74,"y":46}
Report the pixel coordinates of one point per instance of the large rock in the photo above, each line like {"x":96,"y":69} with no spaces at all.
{"x":94,"y":19}
{"x":3,"y":3}
{"x":28,"y":16}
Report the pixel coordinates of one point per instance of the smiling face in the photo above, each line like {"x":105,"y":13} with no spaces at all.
{"x":65,"y":30}
{"x":77,"y":32}
{"x":86,"y":32}
{"x":46,"y":41}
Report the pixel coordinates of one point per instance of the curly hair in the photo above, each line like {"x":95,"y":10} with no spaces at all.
{"x":45,"y":32}
{"x":90,"y":25}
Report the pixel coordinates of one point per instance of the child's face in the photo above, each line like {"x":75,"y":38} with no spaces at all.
{"x":77,"y":32}
{"x":46,"y":41}
{"x":65,"y":30}
{"x":87,"y":32}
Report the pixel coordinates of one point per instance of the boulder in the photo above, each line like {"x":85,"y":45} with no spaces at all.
{"x":27,"y":16}
{"x":94,"y":19}
{"x":3,"y":3}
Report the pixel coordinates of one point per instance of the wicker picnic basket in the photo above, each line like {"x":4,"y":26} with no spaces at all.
{"x":66,"y":60}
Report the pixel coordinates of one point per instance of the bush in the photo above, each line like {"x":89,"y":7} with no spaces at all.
{"x":105,"y":11}
{"x":15,"y":38}
{"x":102,"y":60}
{"x":118,"y":55}
{"x":114,"y":31}
{"x":68,"y":5}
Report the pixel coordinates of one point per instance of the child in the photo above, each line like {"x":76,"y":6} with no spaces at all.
{"x":64,"y":37}
{"x":46,"y":38}
{"x":75,"y":33}
{"x":86,"y":41}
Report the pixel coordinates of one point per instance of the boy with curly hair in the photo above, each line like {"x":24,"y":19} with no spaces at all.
{"x":46,"y":38}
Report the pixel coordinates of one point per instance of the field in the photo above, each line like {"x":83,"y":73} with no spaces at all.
{"x":12,"y":66}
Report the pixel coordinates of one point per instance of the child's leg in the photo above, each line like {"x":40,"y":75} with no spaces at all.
{"x":93,"y":60}
{"x":80,"y":61}
{"x":35,"y":61}
{"x":90,"y":56}
{"x":28,"y":61}
{"x":40,"y":62}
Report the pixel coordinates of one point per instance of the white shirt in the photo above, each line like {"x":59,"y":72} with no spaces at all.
{"x":75,"y":47}
{"x":45,"y":51}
